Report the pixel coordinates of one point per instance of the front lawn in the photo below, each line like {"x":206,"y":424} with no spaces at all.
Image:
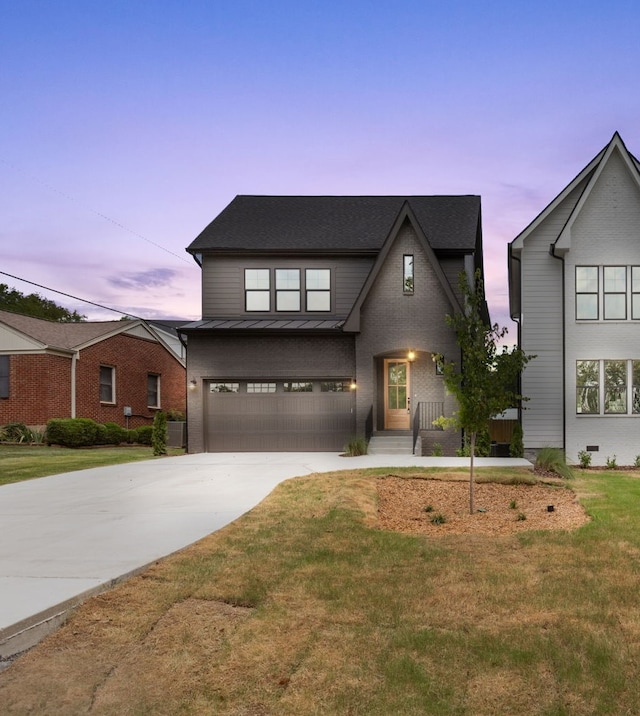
{"x":23,"y":462}
{"x":306,"y":606}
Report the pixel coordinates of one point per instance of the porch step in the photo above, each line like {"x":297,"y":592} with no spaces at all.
{"x":391,"y":445}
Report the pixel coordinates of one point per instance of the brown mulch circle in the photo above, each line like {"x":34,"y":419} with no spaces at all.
{"x":499,"y":509}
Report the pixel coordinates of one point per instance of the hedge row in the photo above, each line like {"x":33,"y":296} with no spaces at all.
{"x":84,"y":432}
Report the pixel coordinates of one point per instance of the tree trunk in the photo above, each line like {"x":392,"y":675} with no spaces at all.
{"x":472,"y":447}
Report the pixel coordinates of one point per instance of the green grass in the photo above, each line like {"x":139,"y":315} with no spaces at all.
{"x":24,"y":462}
{"x":303,"y":606}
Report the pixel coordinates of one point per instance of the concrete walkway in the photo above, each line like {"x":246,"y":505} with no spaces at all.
{"x":65,"y":537}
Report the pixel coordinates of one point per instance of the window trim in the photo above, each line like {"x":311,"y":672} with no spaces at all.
{"x":112,"y":384}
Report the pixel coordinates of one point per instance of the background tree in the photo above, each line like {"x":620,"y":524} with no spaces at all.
{"x":485,"y":381}
{"x":35,"y":305}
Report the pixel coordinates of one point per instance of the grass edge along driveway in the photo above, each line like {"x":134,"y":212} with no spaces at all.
{"x":25,"y":462}
{"x":305,"y":606}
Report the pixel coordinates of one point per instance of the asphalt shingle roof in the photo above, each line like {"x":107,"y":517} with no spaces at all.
{"x":59,"y":335}
{"x":340,"y":223}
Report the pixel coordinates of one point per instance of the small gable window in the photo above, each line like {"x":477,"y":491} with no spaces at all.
{"x":318,"y":289}
{"x":287,"y":289}
{"x":407,"y":273}
{"x":107,"y":384}
{"x":257,"y":289}
{"x":4,"y":376}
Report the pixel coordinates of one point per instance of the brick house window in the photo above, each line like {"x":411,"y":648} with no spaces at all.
{"x":407,"y":273}
{"x":107,"y":384}
{"x":153,"y":391}
{"x":4,"y":376}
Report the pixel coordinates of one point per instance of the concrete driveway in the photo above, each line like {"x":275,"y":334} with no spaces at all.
{"x":68,"y":536}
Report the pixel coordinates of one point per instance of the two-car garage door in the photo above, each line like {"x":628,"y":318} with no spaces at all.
{"x":278,"y":416}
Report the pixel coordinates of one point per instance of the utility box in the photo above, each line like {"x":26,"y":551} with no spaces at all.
{"x":127,"y":411}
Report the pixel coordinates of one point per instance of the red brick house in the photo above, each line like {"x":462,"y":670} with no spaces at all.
{"x":99,"y":370}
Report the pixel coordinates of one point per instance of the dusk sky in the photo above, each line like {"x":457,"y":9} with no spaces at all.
{"x":127,"y":126}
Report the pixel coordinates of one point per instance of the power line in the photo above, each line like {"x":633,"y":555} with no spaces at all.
{"x":71,"y":198}
{"x":69,"y":295}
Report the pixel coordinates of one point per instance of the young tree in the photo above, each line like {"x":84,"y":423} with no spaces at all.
{"x":35,"y":305}
{"x":485,"y":381}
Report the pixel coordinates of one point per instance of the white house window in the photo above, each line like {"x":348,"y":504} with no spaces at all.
{"x":287,"y":289}
{"x":615,"y":292}
{"x":587,"y":293}
{"x":407,"y":273}
{"x":107,"y":384}
{"x":635,"y":292}
{"x":257,"y":290}
{"x":4,"y":376}
{"x":318,"y":289}
{"x":153,"y":391}
{"x":587,"y":387}
{"x":615,"y":386}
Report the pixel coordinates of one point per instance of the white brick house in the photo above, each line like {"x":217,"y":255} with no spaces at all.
{"x":574,"y":285}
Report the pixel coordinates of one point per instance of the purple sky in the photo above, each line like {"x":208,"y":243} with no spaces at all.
{"x":127,"y":126}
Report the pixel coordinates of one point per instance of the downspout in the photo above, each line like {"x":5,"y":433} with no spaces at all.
{"x":552,"y":252}
{"x":511,"y":258}
{"x":74,"y":361}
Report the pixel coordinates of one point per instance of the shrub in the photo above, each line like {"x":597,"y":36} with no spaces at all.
{"x":483,"y":445}
{"x":436,"y":450}
{"x":143,"y":434}
{"x":585,"y":459}
{"x":159,"y":433}
{"x":114,"y":434}
{"x":611,"y":463}
{"x":175,"y":416}
{"x":438,"y":519}
{"x":355,"y":447}
{"x":16,"y":433}
{"x":521,"y":517}
{"x":72,"y":432}
{"x":636,"y":462}
{"x":551,"y":459}
{"x":516,"y":447}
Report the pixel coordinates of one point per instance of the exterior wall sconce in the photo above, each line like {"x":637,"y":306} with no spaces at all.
{"x":193,"y":384}
{"x":411,"y":356}
{"x":353,"y":384}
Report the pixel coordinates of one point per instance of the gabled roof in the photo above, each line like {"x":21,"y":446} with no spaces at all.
{"x":337,"y":223}
{"x":72,"y":336}
{"x":587,"y":175}
{"x":406,"y":214}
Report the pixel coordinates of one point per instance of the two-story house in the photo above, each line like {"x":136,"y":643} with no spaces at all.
{"x":321,"y":316}
{"x":574,"y":278}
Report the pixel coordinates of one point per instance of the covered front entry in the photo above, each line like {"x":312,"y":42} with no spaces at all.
{"x":278,"y":416}
{"x":397,"y":394}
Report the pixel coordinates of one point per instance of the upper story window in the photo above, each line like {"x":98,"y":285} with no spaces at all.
{"x":107,"y":384}
{"x":318,"y":289}
{"x":153,"y":391}
{"x":615,"y":292}
{"x":4,"y":376}
{"x":287,"y":289}
{"x":407,"y":273}
{"x":587,"y":293}
{"x":257,"y":290}
{"x":608,"y":292}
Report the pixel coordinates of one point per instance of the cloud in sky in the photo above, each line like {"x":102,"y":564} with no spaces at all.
{"x":129,"y":126}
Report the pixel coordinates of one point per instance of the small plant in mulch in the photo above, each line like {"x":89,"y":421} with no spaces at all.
{"x":636,"y":462}
{"x":427,"y":508}
{"x":438,"y":519}
{"x":521,"y":517}
{"x":585,"y":459}
{"x":512,"y":505}
{"x":612,"y":463}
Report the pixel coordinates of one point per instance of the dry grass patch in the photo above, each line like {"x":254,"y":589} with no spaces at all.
{"x":310,"y":605}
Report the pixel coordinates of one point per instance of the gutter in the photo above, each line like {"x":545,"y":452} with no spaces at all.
{"x":552,"y":252}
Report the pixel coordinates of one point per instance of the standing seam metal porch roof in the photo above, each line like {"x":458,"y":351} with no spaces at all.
{"x":345,"y":223}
